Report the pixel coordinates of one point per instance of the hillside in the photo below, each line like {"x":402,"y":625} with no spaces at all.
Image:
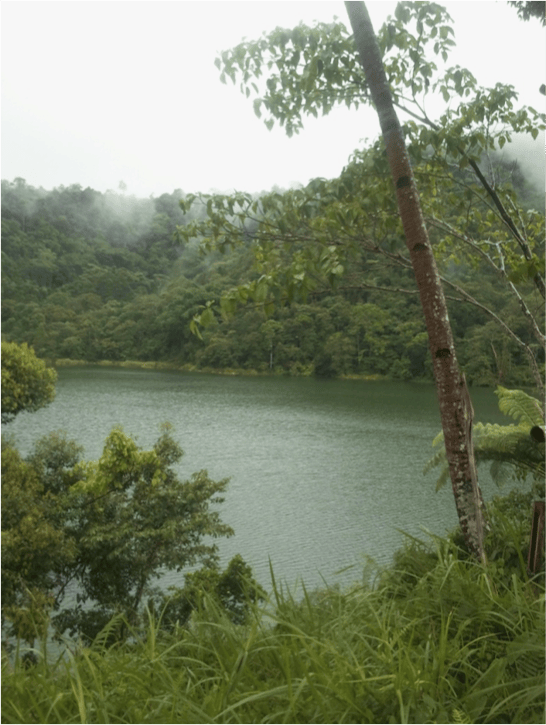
{"x":91,"y":276}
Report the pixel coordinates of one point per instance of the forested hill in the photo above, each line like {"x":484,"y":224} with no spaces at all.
{"x":92,"y":276}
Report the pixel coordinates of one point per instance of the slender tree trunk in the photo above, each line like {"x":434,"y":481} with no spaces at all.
{"x":454,"y":400}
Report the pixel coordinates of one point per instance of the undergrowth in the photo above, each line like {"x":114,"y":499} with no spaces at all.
{"x":437,"y":638}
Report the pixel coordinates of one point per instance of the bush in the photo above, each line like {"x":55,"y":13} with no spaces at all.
{"x":27,"y":384}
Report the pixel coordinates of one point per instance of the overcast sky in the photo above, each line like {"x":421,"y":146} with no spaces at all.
{"x":99,"y":92}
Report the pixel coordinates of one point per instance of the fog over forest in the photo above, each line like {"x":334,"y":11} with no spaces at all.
{"x":92,"y":276}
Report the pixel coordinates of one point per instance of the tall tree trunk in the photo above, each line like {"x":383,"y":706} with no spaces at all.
{"x":453,"y":397}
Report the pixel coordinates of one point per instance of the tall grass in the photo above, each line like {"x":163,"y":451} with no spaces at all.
{"x":437,"y":638}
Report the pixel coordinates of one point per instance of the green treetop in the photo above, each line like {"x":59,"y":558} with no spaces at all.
{"x":27,"y":383}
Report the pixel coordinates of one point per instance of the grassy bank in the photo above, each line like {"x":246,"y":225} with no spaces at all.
{"x":190,"y":368}
{"x":437,"y":638}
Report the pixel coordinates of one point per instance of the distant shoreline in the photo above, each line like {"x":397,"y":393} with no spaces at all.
{"x":190,"y":368}
{"x":236,"y":372}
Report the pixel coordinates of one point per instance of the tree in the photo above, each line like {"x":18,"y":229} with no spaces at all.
{"x":233,"y":590}
{"x":107,"y":528}
{"x":34,"y":547}
{"x":27,"y":383}
{"x":528,"y":10}
{"x":453,"y":396}
{"x":307,"y":237}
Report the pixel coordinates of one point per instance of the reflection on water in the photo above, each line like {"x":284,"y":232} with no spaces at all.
{"x":323,"y":473}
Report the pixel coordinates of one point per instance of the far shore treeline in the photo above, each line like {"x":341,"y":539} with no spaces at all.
{"x":93,"y":276}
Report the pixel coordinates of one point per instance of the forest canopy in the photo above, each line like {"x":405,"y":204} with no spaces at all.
{"x":91,"y":276}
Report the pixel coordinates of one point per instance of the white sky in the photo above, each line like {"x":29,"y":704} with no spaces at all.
{"x":99,"y":92}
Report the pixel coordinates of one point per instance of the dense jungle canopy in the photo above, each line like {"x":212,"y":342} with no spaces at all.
{"x":92,"y":276}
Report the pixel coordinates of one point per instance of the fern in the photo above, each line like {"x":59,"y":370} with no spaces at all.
{"x":526,"y":652}
{"x":501,"y":472}
{"x":509,"y":448}
{"x":461,"y":718}
{"x":520,"y":406}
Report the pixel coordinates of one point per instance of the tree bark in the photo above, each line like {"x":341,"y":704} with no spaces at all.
{"x":453,"y":397}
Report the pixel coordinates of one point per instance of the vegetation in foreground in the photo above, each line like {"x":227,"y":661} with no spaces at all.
{"x":437,"y":638}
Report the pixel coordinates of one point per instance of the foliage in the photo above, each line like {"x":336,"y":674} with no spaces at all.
{"x":527,"y":10}
{"x":27,"y":384}
{"x":507,"y":541}
{"x":108,"y":528}
{"x":436,"y":639}
{"x":233,"y":591}
{"x":313,"y":69}
{"x":510,"y":449}
{"x":307,"y":239}
{"x":77,"y":319}
{"x":33,"y":545}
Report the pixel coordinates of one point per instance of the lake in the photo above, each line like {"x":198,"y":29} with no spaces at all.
{"x":324,"y":473}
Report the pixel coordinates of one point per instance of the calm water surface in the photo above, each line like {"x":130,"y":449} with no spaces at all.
{"x":323,"y":472}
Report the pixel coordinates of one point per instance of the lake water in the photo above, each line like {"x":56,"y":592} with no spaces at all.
{"x":324,"y":473}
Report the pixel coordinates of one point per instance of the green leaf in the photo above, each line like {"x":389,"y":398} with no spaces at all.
{"x":520,"y":406}
{"x":207,"y":317}
{"x":401,"y":13}
{"x":195,"y":326}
